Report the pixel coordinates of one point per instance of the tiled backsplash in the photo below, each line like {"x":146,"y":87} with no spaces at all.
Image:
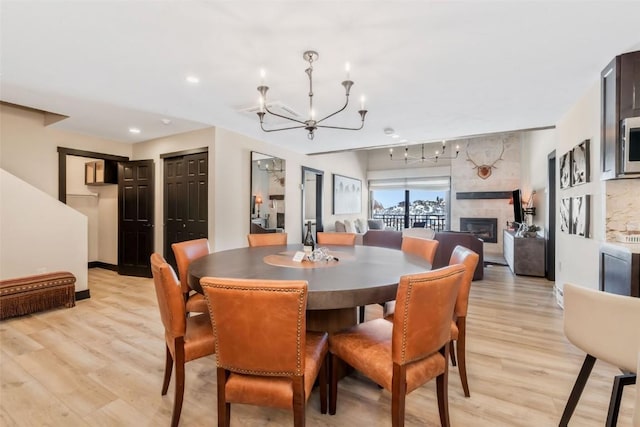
{"x":623,"y":206}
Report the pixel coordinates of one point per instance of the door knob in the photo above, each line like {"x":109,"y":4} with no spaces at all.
{"x":184,"y":225}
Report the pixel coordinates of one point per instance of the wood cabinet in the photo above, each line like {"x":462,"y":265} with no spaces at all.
{"x":620,"y":90}
{"x":101,"y":172}
{"x":619,"y":270}
{"x":525,"y":255}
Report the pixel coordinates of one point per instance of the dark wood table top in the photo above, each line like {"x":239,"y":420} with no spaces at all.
{"x":363,"y":275}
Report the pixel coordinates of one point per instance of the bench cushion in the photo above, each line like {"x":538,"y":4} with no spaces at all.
{"x":30,"y":294}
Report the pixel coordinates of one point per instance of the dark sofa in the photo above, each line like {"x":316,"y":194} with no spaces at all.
{"x":448,"y":241}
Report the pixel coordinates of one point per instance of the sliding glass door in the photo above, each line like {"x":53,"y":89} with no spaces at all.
{"x":405,"y":203}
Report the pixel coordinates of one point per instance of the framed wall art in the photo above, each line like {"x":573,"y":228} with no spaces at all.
{"x":580,"y":208}
{"x":347,"y":195}
{"x":565,"y":215}
{"x":565,"y":170}
{"x":580,"y":163}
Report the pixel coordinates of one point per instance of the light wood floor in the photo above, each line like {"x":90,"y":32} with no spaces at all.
{"x":101,"y":364}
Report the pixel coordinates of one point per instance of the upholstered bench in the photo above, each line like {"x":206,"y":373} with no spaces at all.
{"x":30,"y":294}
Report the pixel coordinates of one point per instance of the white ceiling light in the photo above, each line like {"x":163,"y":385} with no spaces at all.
{"x":192,"y":79}
{"x":134,"y":130}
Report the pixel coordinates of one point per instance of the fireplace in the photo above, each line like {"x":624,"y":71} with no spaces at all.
{"x":483,"y":228}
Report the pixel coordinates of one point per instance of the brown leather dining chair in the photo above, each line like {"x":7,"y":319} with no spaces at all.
{"x":337,"y":239}
{"x":269,"y":239}
{"x":265,"y":356}
{"x":186,"y":252}
{"x":186,"y":338}
{"x":424,"y":248}
{"x":469,"y":259}
{"x":402,"y":355}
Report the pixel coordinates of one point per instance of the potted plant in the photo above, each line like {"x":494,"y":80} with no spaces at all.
{"x":531,"y":231}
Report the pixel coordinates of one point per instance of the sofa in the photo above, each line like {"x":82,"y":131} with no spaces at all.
{"x":448,"y":241}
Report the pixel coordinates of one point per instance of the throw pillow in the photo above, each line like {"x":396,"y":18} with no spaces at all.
{"x":340,"y":228}
{"x":361,"y":226}
{"x":375,"y":224}
{"x":348,"y":225}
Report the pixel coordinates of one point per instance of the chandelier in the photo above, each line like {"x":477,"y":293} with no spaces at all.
{"x":438,"y":155}
{"x":311,"y":124}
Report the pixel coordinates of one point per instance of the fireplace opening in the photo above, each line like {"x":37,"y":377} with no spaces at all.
{"x":482,"y":228}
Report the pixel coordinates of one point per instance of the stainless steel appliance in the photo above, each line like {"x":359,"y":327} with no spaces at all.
{"x":630,"y":155}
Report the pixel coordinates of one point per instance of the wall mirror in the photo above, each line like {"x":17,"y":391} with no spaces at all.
{"x":267,"y":193}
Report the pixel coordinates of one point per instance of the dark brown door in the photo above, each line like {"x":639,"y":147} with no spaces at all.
{"x":185,"y":200}
{"x":135,"y":217}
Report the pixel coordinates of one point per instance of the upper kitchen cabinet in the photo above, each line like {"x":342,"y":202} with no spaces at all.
{"x":620,"y":86}
{"x":630,"y":85}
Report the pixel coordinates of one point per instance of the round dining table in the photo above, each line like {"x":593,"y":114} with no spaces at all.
{"x":357,"y":276}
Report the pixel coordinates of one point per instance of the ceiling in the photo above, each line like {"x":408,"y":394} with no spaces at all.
{"x":429,"y":70}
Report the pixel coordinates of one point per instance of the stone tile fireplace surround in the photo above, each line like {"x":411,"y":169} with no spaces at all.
{"x":505,"y":177}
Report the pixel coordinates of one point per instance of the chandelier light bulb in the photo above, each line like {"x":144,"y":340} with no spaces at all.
{"x":347,"y":68}
{"x":261,"y":103}
{"x":263,"y":73}
{"x":362,"y":102}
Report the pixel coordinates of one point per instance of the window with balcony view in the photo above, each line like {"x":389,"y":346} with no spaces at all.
{"x":411,"y":203}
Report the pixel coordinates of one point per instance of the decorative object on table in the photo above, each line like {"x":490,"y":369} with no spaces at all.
{"x":438,"y":155}
{"x":530,"y":231}
{"x":311,"y":124}
{"x":484,"y":170}
{"x":309,"y":244}
{"x":321,"y":254}
{"x":580,"y":207}
{"x":347,"y":195}
{"x":565,"y":170}
{"x":580,"y":163}
{"x":565,"y":215}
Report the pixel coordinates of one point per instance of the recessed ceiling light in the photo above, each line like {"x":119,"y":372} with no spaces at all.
{"x":388,"y":131}
{"x":192,"y":79}
{"x":166,"y":121}
{"x":134,"y":130}
{"x":395,"y":136}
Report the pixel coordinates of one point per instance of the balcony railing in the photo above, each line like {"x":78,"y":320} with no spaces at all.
{"x":396,"y":221}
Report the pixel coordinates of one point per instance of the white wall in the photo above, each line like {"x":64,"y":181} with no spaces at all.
{"x":39,"y":234}
{"x":100,"y":205}
{"x":28,"y":149}
{"x":577,"y":257}
{"x":536,"y":147}
{"x":232,"y":166}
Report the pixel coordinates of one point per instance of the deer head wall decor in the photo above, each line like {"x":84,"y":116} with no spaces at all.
{"x":484,"y":170}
